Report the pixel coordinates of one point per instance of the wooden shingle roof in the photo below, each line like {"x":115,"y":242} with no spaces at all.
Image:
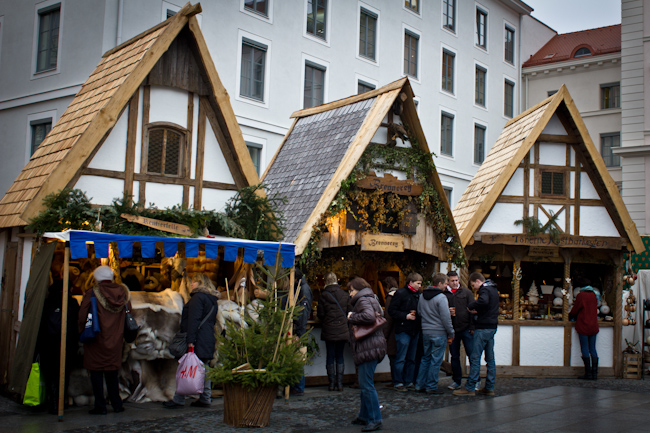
{"x":514,"y":143}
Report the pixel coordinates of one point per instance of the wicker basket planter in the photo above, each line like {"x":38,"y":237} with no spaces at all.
{"x":247,"y":408}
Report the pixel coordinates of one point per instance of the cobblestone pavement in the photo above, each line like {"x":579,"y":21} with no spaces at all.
{"x":318,"y":410}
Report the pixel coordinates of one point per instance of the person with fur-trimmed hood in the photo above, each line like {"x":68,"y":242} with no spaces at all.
{"x":103,"y":355}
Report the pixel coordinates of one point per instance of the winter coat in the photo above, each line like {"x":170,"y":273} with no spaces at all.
{"x":460,"y":300}
{"x":373,"y":347}
{"x":196,"y":309}
{"x":305,"y":300}
{"x":585,"y":310}
{"x":333,"y":315}
{"x":486,"y":306}
{"x":433,"y":310}
{"x":389,"y":328}
{"x":104,"y":352}
{"x":405,"y":300}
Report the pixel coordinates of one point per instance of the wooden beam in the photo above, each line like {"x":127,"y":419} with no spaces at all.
{"x":576,"y":197}
{"x":131,"y":138}
{"x":556,"y":138}
{"x":564,"y":241}
{"x":187,"y":159}
{"x":516,"y":331}
{"x":618,"y":316}
{"x":146,"y":107}
{"x":547,"y":200}
{"x":200,"y":159}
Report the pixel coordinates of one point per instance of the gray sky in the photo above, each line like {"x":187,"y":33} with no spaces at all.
{"x":566,"y":16}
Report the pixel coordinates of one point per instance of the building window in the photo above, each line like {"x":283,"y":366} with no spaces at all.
{"x":164,"y":151}
{"x":449,"y":14}
{"x":479,"y":144}
{"x":363,"y":87}
{"x":610,"y":95}
{"x":584,"y":51}
{"x":448,"y":191}
{"x":255,"y":151}
{"x":257,"y":6}
{"x":479,"y":86}
{"x":508,"y":98}
{"x":551,"y":92}
{"x":253,"y":59}
{"x":481,"y":28}
{"x":448,"y":59}
{"x":553,"y":183}
{"x":48,"y":38}
{"x":413,"y":5}
{"x":317,"y":18}
{"x":367,"y":34}
{"x":607,"y":143}
{"x":40,"y":129}
{"x":314,"y":85}
{"x":411,"y":41}
{"x":509,"y":55}
{"x":170,"y":13}
{"x":447,"y":134}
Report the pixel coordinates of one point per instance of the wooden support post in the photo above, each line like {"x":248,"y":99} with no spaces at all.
{"x":64,"y":328}
{"x":568,"y":329}
{"x":618,"y":318}
{"x":290,"y":304}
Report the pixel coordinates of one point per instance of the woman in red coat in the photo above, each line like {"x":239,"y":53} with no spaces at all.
{"x":585,"y":311}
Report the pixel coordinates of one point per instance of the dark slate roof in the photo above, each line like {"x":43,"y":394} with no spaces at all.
{"x":308,"y":159}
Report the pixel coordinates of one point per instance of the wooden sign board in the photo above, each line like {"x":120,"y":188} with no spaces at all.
{"x":164,"y":226}
{"x":543,"y":252}
{"x":390,"y":183}
{"x":563,"y":241}
{"x":381,"y":242}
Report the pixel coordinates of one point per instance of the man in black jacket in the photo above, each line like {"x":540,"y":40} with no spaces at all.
{"x":402,"y":309}
{"x":459,"y":298}
{"x":487,"y":309}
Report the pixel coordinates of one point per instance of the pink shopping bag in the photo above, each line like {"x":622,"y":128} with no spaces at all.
{"x":190,"y":375}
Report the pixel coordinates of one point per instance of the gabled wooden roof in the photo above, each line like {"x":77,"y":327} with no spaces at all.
{"x":514,"y":143}
{"x":322,"y":148}
{"x":97,"y":107}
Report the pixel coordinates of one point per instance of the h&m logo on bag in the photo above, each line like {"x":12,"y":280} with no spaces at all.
{"x":189,"y":372}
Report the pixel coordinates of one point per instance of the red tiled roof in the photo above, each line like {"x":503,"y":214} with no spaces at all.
{"x":602,"y":40}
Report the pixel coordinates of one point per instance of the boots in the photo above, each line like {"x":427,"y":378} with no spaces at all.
{"x":331,"y":376}
{"x":340,"y":369}
{"x":594,"y":368}
{"x":587,"y":375}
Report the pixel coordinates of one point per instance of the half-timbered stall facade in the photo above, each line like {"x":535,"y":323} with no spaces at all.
{"x":152,"y":122}
{"x":541,"y":211}
{"x":363,"y":194}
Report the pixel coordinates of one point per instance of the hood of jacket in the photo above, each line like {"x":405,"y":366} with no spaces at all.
{"x":112,"y":296}
{"x":207,"y":291}
{"x":363,"y":292}
{"x":489,"y":283}
{"x":430,"y":292}
{"x":331,"y":287}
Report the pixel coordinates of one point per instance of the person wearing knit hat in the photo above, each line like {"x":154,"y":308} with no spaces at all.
{"x":103,"y":273}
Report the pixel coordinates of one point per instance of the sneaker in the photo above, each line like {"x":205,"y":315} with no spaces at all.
{"x":454,"y":386}
{"x":410,"y":386}
{"x":372,"y":427}
{"x":464,"y":392}
{"x":400,"y":388}
{"x":171,"y":404}
{"x":478,"y":386}
{"x":435,"y":391}
{"x":419,"y":390}
{"x":359,"y":421}
{"x":484,"y":391}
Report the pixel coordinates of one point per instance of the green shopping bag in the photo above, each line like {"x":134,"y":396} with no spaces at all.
{"x":35,"y":390}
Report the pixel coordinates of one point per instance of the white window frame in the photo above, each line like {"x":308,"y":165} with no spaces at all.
{"x":442,"y":110}
{"x":59,"y":54}
{"x":35,"y":117}
{"x":418,"y":33}
{"x":514,"y":97}
{"x":503,"y":48}
{"x":442,"y":18}
{"x":241,"y":35}
{"x":359,"y":77}
{"x":449,"y":186}
{"x":484,"y":125}
{"x":266,"y":19}
{"x":306,"y":58}
{"x":328,"y":26}
{"x":486,"y":10}
{"x":487,"y":87}
{"x":443,"y":48}
{"x":259,"y":142}
{"x":417,"y":101}
{"x":411,"y":11}
{"x":375,"y":11}
{"x":174,"y":7}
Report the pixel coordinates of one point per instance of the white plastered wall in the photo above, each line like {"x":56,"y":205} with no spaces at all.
{"x":168,"y":105}
{"x":552,"y":154}
{"x":112,"y":153}
{"x":502,"y":346}
{"x":516,"y":184}
{"x":101,"y":190}
{"x":541,"y":345}
{"x":595,"y":221}
{"x":502,"y":218}
{"x":215,"y":199}
{"x":604,"y":347}
{"x":163,"y":195}
{"x":215,"y":167}
{"x":554,"y":126}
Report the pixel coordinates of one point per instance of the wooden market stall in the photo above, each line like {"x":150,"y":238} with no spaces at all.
{"x":363,"y":194}
{"x":542,"y":211}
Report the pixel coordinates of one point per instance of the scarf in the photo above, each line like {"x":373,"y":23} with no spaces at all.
{"x":591,"y":289}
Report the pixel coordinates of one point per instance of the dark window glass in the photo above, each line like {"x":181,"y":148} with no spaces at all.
{"x":551,"y":92}
{"x":170,"y":13}
{"x":317,"y":18}
{"x":48,"y":38}
{"x":449,"y":14}
{"x":414,"y":5}
{"x":364,"y":87}
{"x":508,"y":98}
{"x":481,"y":28}
{"x":448,"y":59}
{"x":509,"y":45}
{"x":479,"y":86}
{"x":259,"y":6}
{"x":448,"y":192}
{"x":40,"y":128}
{"x":411,"y":54}
{"x":446,"y":134}
{"x":253,"y":59}
{"x":479,"y":144}
{"x":367,"y":34}
{"x":164,"y":151}
{"x":552,"y":183}
{"x":255,"y":151}
{"x":314,"y":85}
{"x":610,"y":95}
{"x":584,"y":51}
{"x":607,"y":143}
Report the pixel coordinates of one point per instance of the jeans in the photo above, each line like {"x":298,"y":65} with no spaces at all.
{"x":405,"y":358}
{"x":454,"y":350}
{"x":483,"y":341}
{"x":112,"y":386}
{"x":588,"y":345}
{"x":369,"y":400}
{"x":434,"y":351}
{"x":335,"y":352}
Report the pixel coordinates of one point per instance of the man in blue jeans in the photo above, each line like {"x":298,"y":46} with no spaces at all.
{"x":487,"y":309}
{"x":403,"y":309}
{"x":459,"y":298}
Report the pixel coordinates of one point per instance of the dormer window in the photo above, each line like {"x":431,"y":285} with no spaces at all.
{"x":582,"y":52}
{"x":165,"y":146}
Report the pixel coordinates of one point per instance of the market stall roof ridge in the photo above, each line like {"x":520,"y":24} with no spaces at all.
{"x":323,"y":146}
{"x":514,"y":143}
{"x":79,"y":238}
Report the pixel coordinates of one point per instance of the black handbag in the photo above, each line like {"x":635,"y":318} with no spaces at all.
{"x":178,"y":346}
{"x":131,"y":327}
